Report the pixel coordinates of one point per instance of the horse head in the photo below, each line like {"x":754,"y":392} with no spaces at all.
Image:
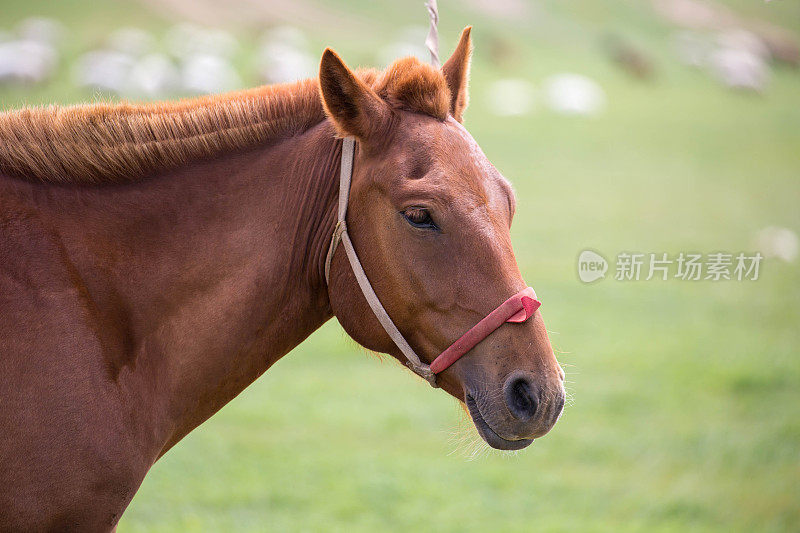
{"x":430,"y":218}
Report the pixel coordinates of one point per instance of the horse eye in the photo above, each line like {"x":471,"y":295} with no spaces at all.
{"x":419,"y":218}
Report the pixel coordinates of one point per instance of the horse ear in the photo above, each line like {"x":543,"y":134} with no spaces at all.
{"x":354,"y":107}
{"x":456,"y":72}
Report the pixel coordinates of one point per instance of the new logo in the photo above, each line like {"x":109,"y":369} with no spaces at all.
{"x":591,"y":266}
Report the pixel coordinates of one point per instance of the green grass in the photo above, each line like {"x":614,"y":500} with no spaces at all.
{"x":686,"y":396}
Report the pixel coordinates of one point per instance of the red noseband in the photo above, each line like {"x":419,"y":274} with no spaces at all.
{"x":518,"y":308}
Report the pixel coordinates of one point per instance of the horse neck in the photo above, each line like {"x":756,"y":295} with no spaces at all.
{"x":209,"y":274}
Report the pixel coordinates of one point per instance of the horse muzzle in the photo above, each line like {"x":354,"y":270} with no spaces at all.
{"x":519,"y":412}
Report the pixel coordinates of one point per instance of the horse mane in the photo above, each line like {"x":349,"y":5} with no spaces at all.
{"x":114,"y":143}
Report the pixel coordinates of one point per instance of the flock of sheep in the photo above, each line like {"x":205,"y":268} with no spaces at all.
{"x":191,"y":60}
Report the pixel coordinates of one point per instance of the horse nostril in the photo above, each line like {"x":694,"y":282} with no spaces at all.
{"x":521,"y":398}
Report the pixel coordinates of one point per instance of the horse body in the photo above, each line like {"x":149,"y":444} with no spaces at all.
{"x":131,"y":313}
{"x":131,"y":310}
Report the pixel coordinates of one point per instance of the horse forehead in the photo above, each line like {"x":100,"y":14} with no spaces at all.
{"x":456,"y":136}
{"x":452,"y":160}
{"x":470,"y":163}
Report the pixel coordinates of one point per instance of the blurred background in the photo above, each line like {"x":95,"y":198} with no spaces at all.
{"x":657,"y":126}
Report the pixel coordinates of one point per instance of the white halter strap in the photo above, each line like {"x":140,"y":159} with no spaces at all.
{"x":340,"y":234}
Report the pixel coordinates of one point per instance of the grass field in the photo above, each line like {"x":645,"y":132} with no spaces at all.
{"x":685,"y":411}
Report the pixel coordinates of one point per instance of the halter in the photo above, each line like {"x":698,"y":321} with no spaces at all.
{"x":516,"y":309}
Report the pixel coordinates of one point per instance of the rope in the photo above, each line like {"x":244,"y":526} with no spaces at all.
{"x":432,"y":40}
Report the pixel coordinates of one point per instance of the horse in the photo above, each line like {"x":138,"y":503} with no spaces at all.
{"x":156,"y":259}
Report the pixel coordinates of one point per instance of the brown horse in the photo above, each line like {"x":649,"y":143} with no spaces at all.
{"x":156,"y":259}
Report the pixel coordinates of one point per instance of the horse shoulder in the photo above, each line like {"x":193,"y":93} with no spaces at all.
{"x":65,"y":456}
